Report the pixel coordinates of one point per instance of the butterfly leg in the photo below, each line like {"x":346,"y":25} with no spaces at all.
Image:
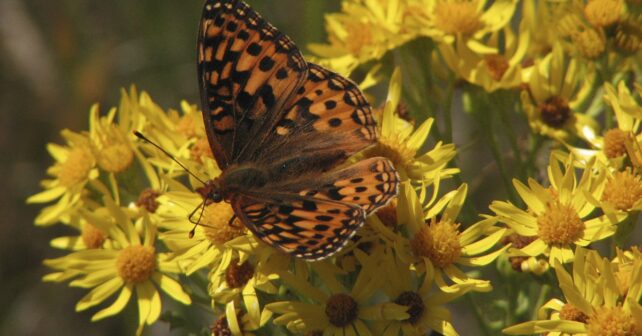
{"x":231,"y":222}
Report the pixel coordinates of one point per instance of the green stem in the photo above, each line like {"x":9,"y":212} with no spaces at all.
{"x":448,"y":109}
{"x":481,"y":321}
{"x":543,"y":294}
{"x":512,"y":137}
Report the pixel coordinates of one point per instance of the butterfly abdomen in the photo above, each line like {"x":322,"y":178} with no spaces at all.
{"x":240,"y":178}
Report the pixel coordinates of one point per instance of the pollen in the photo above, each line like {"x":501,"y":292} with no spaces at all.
{"x":497,"y":66}
{"x":628,"y":35}
{"x":612,"y":321}
{"x":341,"y":310}
{"x":136,"y":263}
{"x":217,"y":226}
{"x":201,"y":149}
{"x":570,"y":313}
{"x":187,"y":126}
{"x":75,"y":169}
{"x":92,"y":236}
{"x":414,"y":303}
{"x":395,"y":149}
{"x":112,"y":150}
{"x":623,"y":190}
{"x":457,"y":17}
{"x":603,"y":13}
{"x":615,"y":143}
{"x":237,"y":276}
{"x":439,"y":242}
{"x":589,"y":42}
{"x":560,"y":224}
{"x":359,"y":37}
{"x":555,"y":112}
{"x":147,"y":200}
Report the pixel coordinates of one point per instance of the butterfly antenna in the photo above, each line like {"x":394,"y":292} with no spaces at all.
{"x":198,"y":222}
{"x":144,"y":138}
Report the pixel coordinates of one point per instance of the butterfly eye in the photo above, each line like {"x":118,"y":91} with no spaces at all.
{"x":215,"y":196}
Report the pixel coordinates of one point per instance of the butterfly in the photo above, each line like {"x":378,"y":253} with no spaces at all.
{"x":280,"y":129}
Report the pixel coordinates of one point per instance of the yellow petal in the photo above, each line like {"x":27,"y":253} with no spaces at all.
{"x":483,"y":244}
{"x":117,"y":306}
{"x":47,"y":195}
{"x":99,"y":294}
{"x":172,"y":288}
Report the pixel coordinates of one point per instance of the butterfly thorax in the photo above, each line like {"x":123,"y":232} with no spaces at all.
{"x":234,"y":179}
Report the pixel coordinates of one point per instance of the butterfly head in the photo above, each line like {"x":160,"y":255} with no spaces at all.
{"x":211,"y":191}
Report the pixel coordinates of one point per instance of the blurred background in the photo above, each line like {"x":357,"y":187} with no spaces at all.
{"x":57,"y":58}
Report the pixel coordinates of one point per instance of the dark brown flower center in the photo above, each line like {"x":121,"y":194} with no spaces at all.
{"x":147,"y":200}
{"x":341,"y":310}
{"x":555,"y":112}
{"x":237,"y":275}
{"x":414,"y":303}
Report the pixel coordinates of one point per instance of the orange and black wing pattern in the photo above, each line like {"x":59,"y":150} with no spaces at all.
{"x":247,"y":71}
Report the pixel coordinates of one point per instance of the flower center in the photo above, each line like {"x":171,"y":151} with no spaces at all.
{"x":589,"y":42}
{"x":237,"y":276}
{"x":186,"y":126}
{"x":92,"y":236}
{"x":341,"y":310}
{"x":112,"y":150}
{"x":555,"y":111}
{"x":603,"y":13}
{"x":76,"y":167}
{"x":560,"y":224}
{"x":216,"y":223}
{"x":628,"y":34}
{"x":615,"y":143}
{"x":623,"y":189}
{"x":395,"y":150}
{"x":496,"y":65}
{"x":612,"y":321}
{"x":571,"y":313}
{"x":200,"y":149}
{"x":517,"y":242}
{"x":147,"y":200}
{"x":359,"y":36}
{"x":457,"y":16}
{"x":221,"y":328}
{"x":136,"y":263}
{"x":439,"y":242}
{"x":414,"y":303}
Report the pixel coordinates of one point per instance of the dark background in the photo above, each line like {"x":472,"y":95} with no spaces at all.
{"x":56,"y":59}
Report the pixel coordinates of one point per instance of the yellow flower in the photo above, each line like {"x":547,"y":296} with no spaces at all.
{"x":237,"y":322}
{"x":401,"y":143}
{"x":614,"y":145}
{"x":333,"y":309}
{"x":440,"y":242}
{"x":363,"y":31}
{"x":555,"y":90}
{"x":593,"y":304}
{"x":75,"y":167}
{"x":425,"y":307}
{"x":492,"y":71}
{"x":93,"y":228}
{"x":559,"y":217}
{"x":539,"y":21}
{"x":445,"y":20}
{"x":131,"y":265}
{"x":112,"y":144}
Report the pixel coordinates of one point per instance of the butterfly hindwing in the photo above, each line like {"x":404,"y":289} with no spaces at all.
{"x":305,"y":227}
{"x":247,"y":71}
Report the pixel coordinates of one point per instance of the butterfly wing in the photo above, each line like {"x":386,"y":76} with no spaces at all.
{"x":247,"y":72}
{"x":305,"y":227}
{"x":313,"y":218}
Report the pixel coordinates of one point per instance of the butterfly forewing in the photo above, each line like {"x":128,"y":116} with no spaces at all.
{"x":247,"y":71}
{"x":305,"y":227}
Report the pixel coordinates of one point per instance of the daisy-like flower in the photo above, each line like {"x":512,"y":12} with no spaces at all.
{"x":92,"y":232}
{"x":332,"y":309}
{"x":492,"y":71}
{"x":613,"y":146}
{"x":131,"y":266}
{"x":554,"y":92}
{"x":75,"y":167}
{"x":445,"y":20}
{"x":426,"y":309}
{"x":363,"y":31}
{"x":236,"y":322}
{"x":401,"y":143}
{"x":436,"y":239}
{"x":558,"y":217}
{"x":592,"y":305}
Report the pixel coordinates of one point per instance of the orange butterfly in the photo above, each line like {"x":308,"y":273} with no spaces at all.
{"x":278,"y":127}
